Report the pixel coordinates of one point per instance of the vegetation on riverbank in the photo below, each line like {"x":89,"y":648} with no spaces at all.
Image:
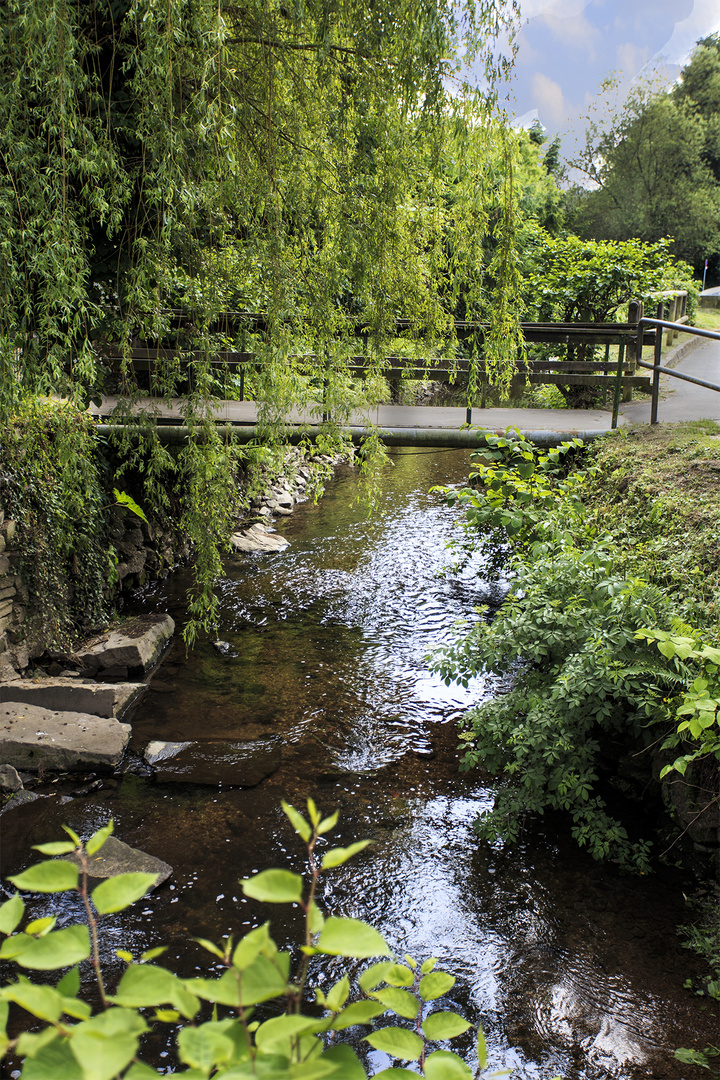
{"x":610,"y":629}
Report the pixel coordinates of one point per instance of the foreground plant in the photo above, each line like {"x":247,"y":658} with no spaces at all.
{"x":298,"y":1042}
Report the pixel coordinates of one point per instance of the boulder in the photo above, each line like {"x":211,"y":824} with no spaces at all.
{"x":116,"y":857}
{"x":258,"y":538}
{"x":33,"y":738}
{"x":132,"y":645}
{"x":73,"y":695}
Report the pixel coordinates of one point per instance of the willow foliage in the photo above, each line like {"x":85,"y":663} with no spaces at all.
{"x":300,"y":158}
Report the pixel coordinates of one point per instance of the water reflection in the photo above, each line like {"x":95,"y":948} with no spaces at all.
{"x":572,"y":969}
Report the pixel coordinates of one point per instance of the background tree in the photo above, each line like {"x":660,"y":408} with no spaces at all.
{"x":654,"y":164}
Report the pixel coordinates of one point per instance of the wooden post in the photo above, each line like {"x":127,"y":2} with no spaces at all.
{"x":618,"y":384}
{"x":634,"y":351}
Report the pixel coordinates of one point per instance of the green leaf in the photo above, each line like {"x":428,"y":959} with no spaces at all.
{"x":69,"y":985}
{"x":42,"y":1001}
{"x":31,"y":1043}
{"x":351,"y":937}
{"x":357,"y":1012}
{"x":338,"y":994}
{"x":328,"y":823}
{"x":443,"y":1065}
{"x":278,"y":1034}
{"x":57,"y":847}
{"x":396,"y":1074}
{"x":56,"y":875}
{"x":11,"y":913}
{"x":481,"y":1049}
{"x":73,"y":836}
{"x":61,"y":948}
{"x":139,"y":1071}
{"x":396,"y":1041}
{"x":146,"y":985}
{"x":274,"y":887}
{"x":444,"y":1025}
{"x":337,"y":856}
{"x":400,"y":1001}
{"x":204,"y":1047}
{"x":297,"y":821}
{"x":104,"y":1045}
{"x":428,"y":964}
{"x":374,"y":975}
{"x":347,"y":1066}
{"x":317,"y":919}
{"x":40,"y":927}
{"x":98,"y":838}
{"x":435,"y":985}
{"x":54,"y":1061}
{"x":399,"y":975}
{"x":119,"y":892}
{"x":261,"y":981}
{"x":123,"y":499}
{"x":250,"y":946}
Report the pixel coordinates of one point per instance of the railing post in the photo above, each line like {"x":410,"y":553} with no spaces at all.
{"x":618,"y":384}
{"x":657,"y":357}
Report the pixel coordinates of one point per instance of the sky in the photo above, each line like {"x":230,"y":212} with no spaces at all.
{"x":567,"y":47}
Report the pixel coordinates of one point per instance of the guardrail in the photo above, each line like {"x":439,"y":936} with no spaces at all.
{"x":656,"y":367}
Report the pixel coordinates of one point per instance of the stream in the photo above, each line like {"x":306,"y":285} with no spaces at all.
{"x":573,"y":969}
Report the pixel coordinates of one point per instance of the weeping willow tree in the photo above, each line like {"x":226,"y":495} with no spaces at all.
{"x":310,"y":161}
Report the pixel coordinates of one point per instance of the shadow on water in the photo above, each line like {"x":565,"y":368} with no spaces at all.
{"x":572,"y":969}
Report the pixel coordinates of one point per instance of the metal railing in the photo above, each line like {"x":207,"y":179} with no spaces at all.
{"x":656,"y":367}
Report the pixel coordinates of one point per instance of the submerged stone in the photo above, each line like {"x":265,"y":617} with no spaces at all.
{"x":133,"y":645}
{"x":231,"y":764}
{"x":72,"y":695}
{"x":115,"y":857}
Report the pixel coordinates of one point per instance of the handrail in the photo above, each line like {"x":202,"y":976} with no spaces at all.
{"x":657,"y":368}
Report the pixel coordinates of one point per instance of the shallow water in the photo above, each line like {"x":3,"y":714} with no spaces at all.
{"x":572,"y":969}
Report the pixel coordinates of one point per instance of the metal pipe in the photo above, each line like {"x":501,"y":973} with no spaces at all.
{"x":462,"y":439}
{"x":679,"y":375}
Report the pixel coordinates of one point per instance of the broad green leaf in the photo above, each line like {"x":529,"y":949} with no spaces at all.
{"x":146,"y":985}
{"x":396,"y":1041}
{"x":152,"y":954}
{"x":40,"y":927}
{"x":54,"y":1061}
{"x":399,"y":975}
{"x":119,"y":892}
{"x":250,"y":946}
{"x":104,"y":1045}
{"x":435,"y":985}
{"x":428,"y":965}
{"x":347,"y":1066}
{"x":338,"y":994}
{"x":374,"y":975}
{"x":42,"y":1001}
{"x":443,"y":1065}
{"x":69,"y":984}
{"x":297,"y":821}
{"x":357,"y":1012}
{"x":351,"y":937}
{"x":98,"y":838}
{"x":140,"y":1071}
{"x":11,"y":913}
{"x":30,"y":1043}
{"x":274,"y":887}
{"x":400,"y":1001}
{"x":61,"y":948}
{"x":396,"y":1074}
{"x":123,"y":499}
{"x":73,"y":836}
{"x":444,"y":1025}
{"x":56,"y":847}
{"x":204,"y":1046}
{"x":276,"y":1035}
{"x":313,"y":812}
{"x":337,"y":856}
{"x":317,"y":919}
{"x":56,"y":875}
{"x":261,"y":981}
{"x":328,"y":823}
{"x":210,"y":947}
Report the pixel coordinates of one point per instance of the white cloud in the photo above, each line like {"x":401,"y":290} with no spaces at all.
{"x":705,"y":19}
{"x":561,"y":9}
{"x":631,"y":57}
{"x":550,"y":100}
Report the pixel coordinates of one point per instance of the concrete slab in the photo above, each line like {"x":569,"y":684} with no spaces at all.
{"x":32,"y":738}
{"x":132,"y":645}
{"x":73,"y":695}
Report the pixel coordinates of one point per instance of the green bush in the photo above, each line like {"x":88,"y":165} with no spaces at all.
{"x":298,"y":1041}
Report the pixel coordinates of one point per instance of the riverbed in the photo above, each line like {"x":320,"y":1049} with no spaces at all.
{"x":572,"y":968}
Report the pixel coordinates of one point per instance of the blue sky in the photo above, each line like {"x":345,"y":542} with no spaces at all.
{"x":567,"y":47}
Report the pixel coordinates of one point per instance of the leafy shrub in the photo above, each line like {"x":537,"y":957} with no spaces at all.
{"x":297,"y":1042}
